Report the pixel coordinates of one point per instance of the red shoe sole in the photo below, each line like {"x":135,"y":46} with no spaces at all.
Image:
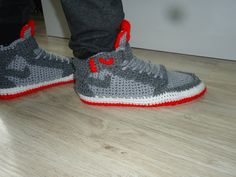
{"x":20,"y":94}
{"x":171,"y":103}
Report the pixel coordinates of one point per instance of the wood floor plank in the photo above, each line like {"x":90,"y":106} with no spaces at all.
{"x":52,"y":134}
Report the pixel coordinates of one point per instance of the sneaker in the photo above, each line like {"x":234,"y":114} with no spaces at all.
{"x":119,"y":78}
{"x":26,"y":68}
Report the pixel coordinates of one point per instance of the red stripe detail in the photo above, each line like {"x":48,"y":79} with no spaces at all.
{"x":92,"y":65}
{"x":23,"y":29}
{"x":110,"y":61}
{"x":34,"y":90}
{"x":125,"y":27}
{"x":118,"y":39}
{"x":172,"y":103}
{"x":30,"y":25}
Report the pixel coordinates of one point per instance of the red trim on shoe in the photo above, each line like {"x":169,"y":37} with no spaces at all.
{"x":92,"y":65}
{"x":125,"y":27}
{"x":110,"y":61}
{"x":30,"y":25}
{"x":118,"y":39}
{"x":172,"y":103}
{"x":6,"y":97}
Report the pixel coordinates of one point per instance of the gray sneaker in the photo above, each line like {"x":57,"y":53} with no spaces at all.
{"x":26,"y":68}
{"x":119,"y":78}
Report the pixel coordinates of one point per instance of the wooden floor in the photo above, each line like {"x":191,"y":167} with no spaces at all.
{"x":52,"y":134}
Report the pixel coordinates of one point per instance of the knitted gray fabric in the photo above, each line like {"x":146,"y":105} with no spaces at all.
{"x":24,"y":67}
{"x":128,"y":78}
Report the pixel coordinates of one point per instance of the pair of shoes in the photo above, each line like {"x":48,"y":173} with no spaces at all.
{"x":26,"y":68}
{"x":119,"y":78}
{"x":116,"y":78}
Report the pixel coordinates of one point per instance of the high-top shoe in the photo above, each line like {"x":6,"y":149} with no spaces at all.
{"x":26,"y":68}
{"x":119,"y":78}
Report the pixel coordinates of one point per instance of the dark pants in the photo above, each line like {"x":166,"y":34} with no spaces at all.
{"x":94,"y":24}
{"x":13,"y":15}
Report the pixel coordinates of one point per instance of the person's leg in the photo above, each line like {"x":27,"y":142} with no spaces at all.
{"x":13,"y":16}
{"x":113,"y":75}
{"x":94,"y":25}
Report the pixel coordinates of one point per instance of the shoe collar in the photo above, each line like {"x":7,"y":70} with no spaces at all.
{"x":28,"y":30}
{"x":123,"y":36}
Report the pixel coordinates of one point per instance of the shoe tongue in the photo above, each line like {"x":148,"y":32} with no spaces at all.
{"x":123,"y":36}
{"x":27,"y":30}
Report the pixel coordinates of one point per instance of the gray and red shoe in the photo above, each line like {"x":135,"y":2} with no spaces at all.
{"x":119,"y":78}
{"x":26,"y":68}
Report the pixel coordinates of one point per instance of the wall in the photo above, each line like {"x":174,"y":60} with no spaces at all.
{"x":203,"y":27}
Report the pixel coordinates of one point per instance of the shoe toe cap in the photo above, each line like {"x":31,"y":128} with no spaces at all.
{"x":181,"y":80}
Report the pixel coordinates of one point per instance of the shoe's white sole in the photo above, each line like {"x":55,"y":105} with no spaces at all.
{"x":165,"y":99}
{"x":24,"y":90}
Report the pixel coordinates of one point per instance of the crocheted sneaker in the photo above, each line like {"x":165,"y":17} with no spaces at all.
{"x":119,"y":78}
{"x":26,"y":68}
